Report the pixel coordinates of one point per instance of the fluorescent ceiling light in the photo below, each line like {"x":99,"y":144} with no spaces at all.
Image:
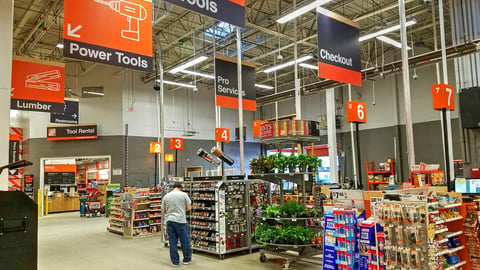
{"x":93,"y":93}
{"x":386,"y":30}
{"x":188,"y":64}
{"x":392,"y":42}
{"x":178,"y":84}
{"x":268,"y":87}
{"x":298,"y":12}
{"x":200,"y":74}
{"x":59,"y":45}
{"x":289,"y":63}
{"x":305,"y":65}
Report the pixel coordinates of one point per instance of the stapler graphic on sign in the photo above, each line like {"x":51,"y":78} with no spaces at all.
{"x":43,"y":81}
{"x":134,"y":13}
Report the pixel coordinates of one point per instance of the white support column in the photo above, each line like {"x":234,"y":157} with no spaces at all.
{"x":240,"y":100}
{"x":6,"y":33}
{"x":352,"y":137}
{"x":332,"y":134}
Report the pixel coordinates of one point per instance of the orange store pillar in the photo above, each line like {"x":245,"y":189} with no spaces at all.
{"x":6,"y":34}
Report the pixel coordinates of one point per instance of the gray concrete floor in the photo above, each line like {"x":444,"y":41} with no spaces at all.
{"x":66,"y":241}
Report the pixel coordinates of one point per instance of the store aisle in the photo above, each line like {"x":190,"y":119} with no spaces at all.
{"x":66,"y":241}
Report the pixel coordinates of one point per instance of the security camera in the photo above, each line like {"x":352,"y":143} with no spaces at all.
{"x":156,"y":86}
{"x":195,"y":90}
{"x":279,"y":57}
{"x":425,"y":2}
{"x":415,"y":76}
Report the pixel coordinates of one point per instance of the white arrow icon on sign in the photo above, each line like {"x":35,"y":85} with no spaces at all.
{"x":74,"y":116}
{"x":72,"y":32}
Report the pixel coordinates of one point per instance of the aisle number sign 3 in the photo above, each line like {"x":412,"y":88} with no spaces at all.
{"x":222,"y":135}
{"x":155,"y":147}
{"x":356,"y":112}
{"x":176,"y":143}
{"x":443,"y":97}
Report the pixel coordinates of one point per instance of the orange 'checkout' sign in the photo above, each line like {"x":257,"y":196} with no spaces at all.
{"x":356,"y":112}
{"x":443,"y":97}
{"x":155,"y":148}
{"x":176,"y":143}
{"x":222,"y":135}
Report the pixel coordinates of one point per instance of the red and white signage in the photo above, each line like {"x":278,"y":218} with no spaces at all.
{"x":356,"y":112}
{"x":443,"y":97}
{"x":257,"y":126}
{"x":37,"y":85}
{"x":113,"y":32}
{"x":222,"y":135}
{"x":266,"y":130}
{"x":155,"y":147}
{"x":176,"y":143}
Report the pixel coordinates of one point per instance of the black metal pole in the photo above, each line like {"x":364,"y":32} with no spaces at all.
{"x":446,"y":150}
{"x":359,"y":162}
{"x":223,"y":163}
{"x":156,"y":169}
{"x":176,"y":161}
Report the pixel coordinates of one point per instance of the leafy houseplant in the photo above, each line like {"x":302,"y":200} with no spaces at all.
{"x":303,"y":161}
{"x":292,"y":162}
{"x":280,"y":162}
{"x":313,"y":163}
{"x":293,"y":209}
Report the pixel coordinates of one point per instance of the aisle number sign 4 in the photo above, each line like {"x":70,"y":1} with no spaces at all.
{"x":356,"y":112}
{"x":443,"y":97}
{"x":155,"y":147}
{"x":176,"y":143}
{"x":222,"y":135}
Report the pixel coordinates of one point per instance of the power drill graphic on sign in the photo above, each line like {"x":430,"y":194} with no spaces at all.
{"x":134,"y":13}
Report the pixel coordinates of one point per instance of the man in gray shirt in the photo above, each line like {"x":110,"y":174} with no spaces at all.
{"x":175,"y":205}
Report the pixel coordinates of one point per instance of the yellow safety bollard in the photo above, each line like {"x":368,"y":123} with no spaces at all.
{"x":39,"y":202}
{"x":46,"y":202}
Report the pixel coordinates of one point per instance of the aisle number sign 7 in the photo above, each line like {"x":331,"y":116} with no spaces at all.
{"x":176,"y":143}
{"x":356,"y":112}
{"x":222,"y":135}
{"x":443,"y":97}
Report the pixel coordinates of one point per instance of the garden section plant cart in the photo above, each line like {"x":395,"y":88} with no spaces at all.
{"x":290,"y":231}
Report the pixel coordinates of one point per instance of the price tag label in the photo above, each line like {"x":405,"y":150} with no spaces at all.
{"x":155,"y":148}
{"x":222,"y":135}
{"x":443,"y":97}
{"x":356,"y":112}
{"x":176,"y":143}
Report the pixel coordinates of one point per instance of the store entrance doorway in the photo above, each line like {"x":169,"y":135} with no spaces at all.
{"x":69,"y":180}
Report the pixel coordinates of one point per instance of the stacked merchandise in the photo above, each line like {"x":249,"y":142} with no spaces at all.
{"x":341,"y":246}
{"x":405,"y":231}
{"x":372,"y":243}
{"x":116,"y":218}
{"x":472,"y":231}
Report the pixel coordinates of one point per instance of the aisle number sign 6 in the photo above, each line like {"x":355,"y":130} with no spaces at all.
{"x":222,"y":135}
{"x":443,"y":97}
{"x":176,"y":143}
{"x":155,"y":148}
{"x":356,"y":112}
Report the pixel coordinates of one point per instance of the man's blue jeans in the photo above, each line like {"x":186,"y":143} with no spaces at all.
{"x":175,"y":232}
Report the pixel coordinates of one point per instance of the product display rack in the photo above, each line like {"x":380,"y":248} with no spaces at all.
{"x":259,"y":194}
{"x":379,"y":177}
{"x":137,"y":215}
{"x":422,"y":232}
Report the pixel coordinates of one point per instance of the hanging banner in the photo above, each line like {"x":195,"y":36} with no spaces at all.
{"x":69,"y":114}
{"x":81,"y":132}
{"x":338,"y":49}
{"x":230,"y":11}
{"x":117,"y":33}
{"x":37,"y":85}
{"x":226,"y":94}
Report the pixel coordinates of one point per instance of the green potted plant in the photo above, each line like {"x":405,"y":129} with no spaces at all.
{"x":268,"y":164}
{"x":292,"y":162}
{"x":273,"y":211}
{"x":280,"y":162}
{"x":254,"y":166}
{"x":313,"y":163}
{"x":293,"y":209}
{"x":303,"y":161}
